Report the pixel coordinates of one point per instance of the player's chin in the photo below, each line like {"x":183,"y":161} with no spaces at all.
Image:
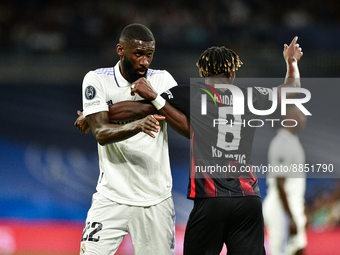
{"x":141,"y":73}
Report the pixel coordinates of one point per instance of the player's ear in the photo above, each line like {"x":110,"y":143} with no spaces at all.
{"x":120,"y":50}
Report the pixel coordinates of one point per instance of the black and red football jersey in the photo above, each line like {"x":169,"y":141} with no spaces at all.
{"x":221,"y":143}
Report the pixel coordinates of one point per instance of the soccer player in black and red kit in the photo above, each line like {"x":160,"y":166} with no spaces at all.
{"x":227,"y":205}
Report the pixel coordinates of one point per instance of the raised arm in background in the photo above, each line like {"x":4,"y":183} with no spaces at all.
{"x":292,"y":54}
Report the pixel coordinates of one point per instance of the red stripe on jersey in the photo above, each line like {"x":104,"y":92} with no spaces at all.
{"x":192,"y":172}
{"x":251,"y":173}
{"x":210,"y":188}
{"x":212,"y":88}
{"x":247,"y":189}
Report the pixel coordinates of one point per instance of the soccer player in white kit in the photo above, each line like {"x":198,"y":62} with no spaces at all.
{"x":134,"y":186}
{"x":284,"y":205}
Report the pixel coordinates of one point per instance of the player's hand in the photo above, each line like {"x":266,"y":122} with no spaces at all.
{"x":150,"y":124}
{"x":143,"y":88}
{"x":81,"y":123}
{"x":292,"y":227}
{"x":293,"y":51}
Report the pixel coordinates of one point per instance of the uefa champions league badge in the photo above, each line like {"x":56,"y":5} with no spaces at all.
{"x":90,"y":92}
{"x":265,"y":91}
{"x":82,"y":249}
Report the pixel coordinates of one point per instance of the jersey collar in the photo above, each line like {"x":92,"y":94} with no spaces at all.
{"x":120,"y":80}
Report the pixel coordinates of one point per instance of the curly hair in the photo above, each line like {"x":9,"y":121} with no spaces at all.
{"x":217,"y":60}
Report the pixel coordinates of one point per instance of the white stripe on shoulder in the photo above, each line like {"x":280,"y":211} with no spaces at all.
{"x":153,"y":72}
{"x":107,"y":71}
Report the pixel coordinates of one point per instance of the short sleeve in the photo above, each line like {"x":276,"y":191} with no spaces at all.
{"x":179,"y":97}
{"x":262,"y":98}
{"x":168,"y":81}
{"x":93,"y":95}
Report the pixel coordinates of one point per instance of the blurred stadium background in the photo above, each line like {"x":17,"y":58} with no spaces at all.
{"x":49,"y":169}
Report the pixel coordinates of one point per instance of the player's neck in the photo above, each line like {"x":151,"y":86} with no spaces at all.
{"x":218,"y":79}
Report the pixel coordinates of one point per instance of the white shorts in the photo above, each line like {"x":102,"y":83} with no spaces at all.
{"x":277,"y":226}
{"x":152,"y":228}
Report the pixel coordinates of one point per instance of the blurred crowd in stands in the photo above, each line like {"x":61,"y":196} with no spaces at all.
{"x":323,"y":211}
{"x":62,"y":25}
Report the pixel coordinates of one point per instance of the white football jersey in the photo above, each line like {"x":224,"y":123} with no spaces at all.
{"x":135,"y":171}
{"x":285,"y":149}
